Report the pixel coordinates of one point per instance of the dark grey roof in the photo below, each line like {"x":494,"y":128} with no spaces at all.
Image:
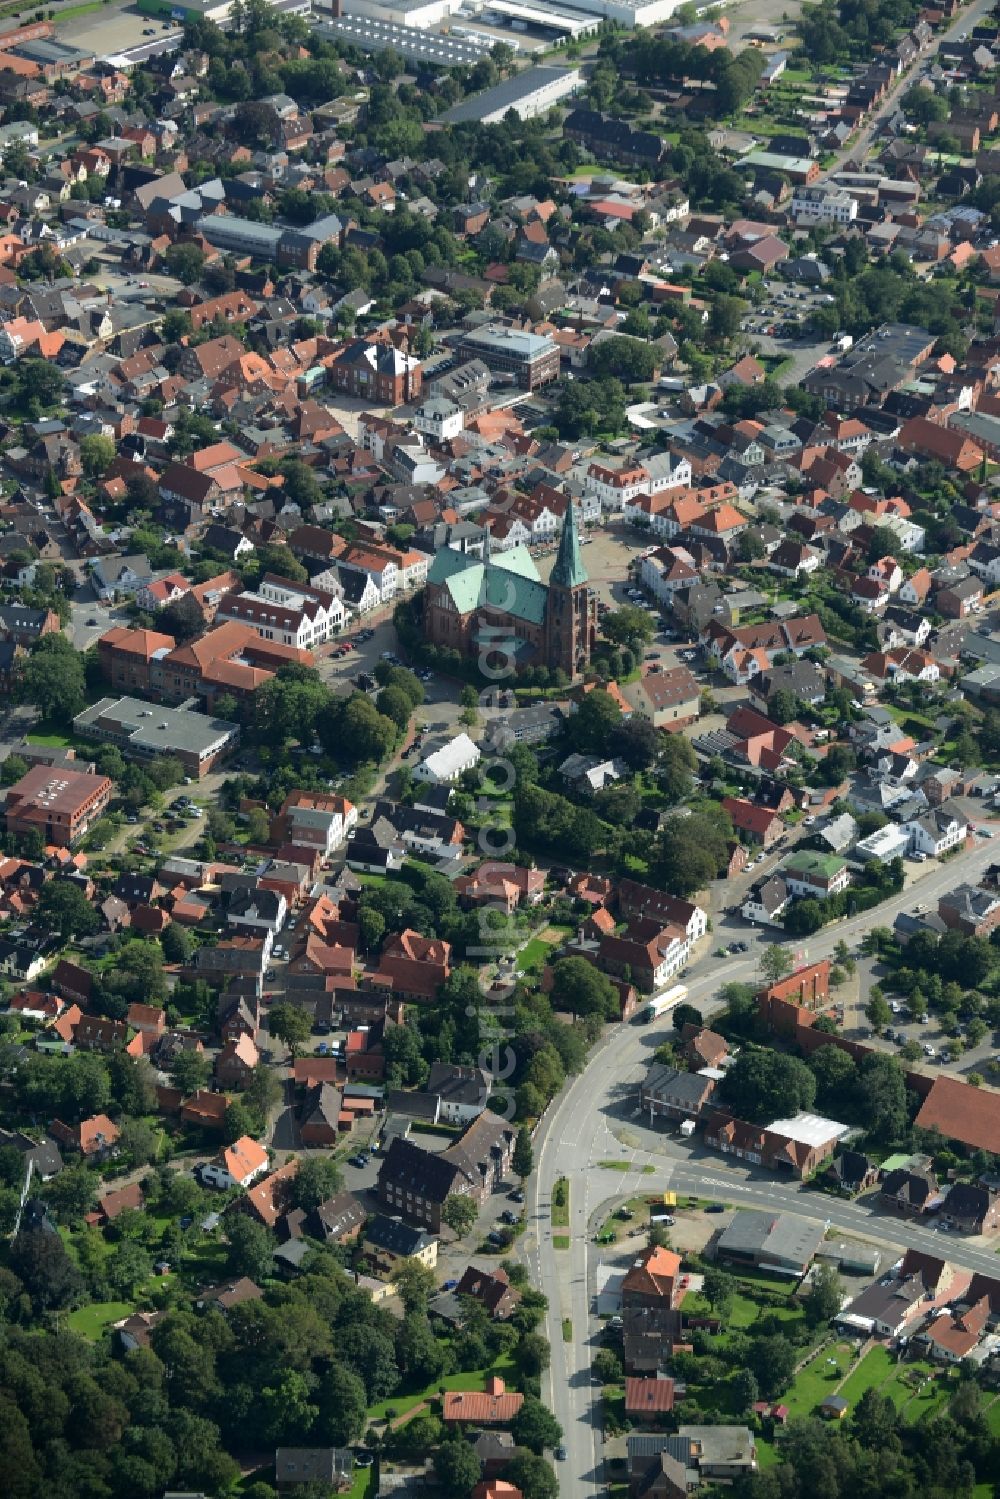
{"x":395,"y":1236}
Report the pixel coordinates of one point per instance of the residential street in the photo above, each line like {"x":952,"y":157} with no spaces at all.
{"x":593,"y":1120}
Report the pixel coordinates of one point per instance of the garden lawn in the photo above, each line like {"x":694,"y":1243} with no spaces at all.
{"x":534,"y":953}
{"x":993,"y":1419}
{"x":94,"y":1320}
{"x":872,"y":1370}
{"x":52,"y":738}
{"x":474,"y":1379}
{"x":364,"y":1486}
{"x":818,"y":1379}
{"x":933,"y":1398}
{"x":900,"y":1388}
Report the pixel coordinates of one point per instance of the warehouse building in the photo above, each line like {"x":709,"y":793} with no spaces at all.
{"x":528,"y":94}
{"x":771,"y":1241}
{"x":413,"y":44}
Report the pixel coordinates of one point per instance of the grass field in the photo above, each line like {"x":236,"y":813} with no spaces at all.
{"x":364,"y":1485}
{"x":51,"y":737}
{"x":94,"y":1320}
{"x":567,"y":1330}
{"x":560,"y":1204}
{"x":560,"y":1241}
{"x":875,"y":1367}
{"x":534,"y":953}
{"x":818,"y":1379}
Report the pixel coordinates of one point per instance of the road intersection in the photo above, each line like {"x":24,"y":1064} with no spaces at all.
{"x":593,"y":1120}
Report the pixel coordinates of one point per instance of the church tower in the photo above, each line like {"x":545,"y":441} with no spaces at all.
{"x":571,"y":614}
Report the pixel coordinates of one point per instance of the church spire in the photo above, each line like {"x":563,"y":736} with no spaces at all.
{"x":569,"y":571}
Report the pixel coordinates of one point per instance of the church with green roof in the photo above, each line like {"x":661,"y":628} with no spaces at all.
{"x":499,"y":609}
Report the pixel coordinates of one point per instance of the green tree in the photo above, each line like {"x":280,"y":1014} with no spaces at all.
{"x":765,"y":1085}
{"x":127,"y":1266}
{"x":65,"y":909}
{"x":720,"y":1290}
{"x":875,"y":1421}
{"x":140,"y":1141}
{"x":677,"y":768}
{"x":342,"y":1402}
{"x":533,"y":1354}
{"x":39,"y":384}
{"x":882,"y":1097}
{"x":290,"y":1024}
{"x":97,"y":453}
{"x":631,"y":360}
{"x":456,"y":1467}
{"x":415,"y":1283}
{"x":607,"y":1365}
{"x":190,"y":1070}
{"x":371,"y":928}
{"x":177,"y":943}
{"x":772,"y":1361}
{"x":582,"y":989}
{"x":877,"y":1011}
{"x":53,"y":679}
{"x":594,"y":722}
{"x":185,"y":261}
{"x":523,"y":1159}
{"x":250,"y":1247}
{"x":628,"y":626}
{"x":775,"y":962}
{"x":535,"y":1427}
{"x":533,"y":1475}
{"x":317,"y":1179}
{"x":825,"y":1295}
{"x":746,"y":1390}
{"x":459,"y":1213}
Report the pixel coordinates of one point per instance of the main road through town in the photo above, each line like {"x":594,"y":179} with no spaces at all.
{"x":595,"y":1119}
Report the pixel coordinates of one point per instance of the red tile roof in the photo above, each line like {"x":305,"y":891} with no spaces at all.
{"x":960,"y":1112}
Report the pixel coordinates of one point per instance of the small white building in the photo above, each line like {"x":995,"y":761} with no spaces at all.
{"x":936,"y":831}
{"x":890,"y":842}
{"x":446,"y":764}
{"x":439,"y":418}
{"x":236,"y":1165}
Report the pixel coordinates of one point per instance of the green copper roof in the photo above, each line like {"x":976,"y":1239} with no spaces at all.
{"x":569,"y":571}
{"x":517,"y":560}
{"x":509,"y":584}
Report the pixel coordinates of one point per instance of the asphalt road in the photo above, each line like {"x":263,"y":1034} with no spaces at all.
{"x":593,"y":1120}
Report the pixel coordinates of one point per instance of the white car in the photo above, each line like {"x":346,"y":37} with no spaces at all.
{"x":807,"y":822}
{"x":929,"y":1050}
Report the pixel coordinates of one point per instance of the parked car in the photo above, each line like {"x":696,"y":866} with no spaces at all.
{"x":360,"y":1161}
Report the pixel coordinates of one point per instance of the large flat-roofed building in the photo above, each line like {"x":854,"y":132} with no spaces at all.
{"x":61,"y":805}
{"x":411,"y":41}
{"x":528,"y":94}
{"x":532,"y":358}
{"x":145,"y":730}
{"x":778,"y":1242}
